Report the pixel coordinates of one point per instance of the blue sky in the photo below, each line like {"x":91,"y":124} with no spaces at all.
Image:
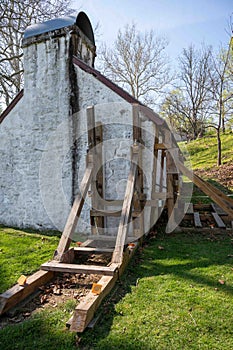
{"x":182,"y":22}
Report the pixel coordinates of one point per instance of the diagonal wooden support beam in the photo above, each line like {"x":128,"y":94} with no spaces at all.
{"x":126,"y":209}
{"x":75,"y":212}
{"x":217,"y":196}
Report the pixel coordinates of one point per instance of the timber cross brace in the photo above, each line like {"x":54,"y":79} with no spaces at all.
{"x":139,"y":211}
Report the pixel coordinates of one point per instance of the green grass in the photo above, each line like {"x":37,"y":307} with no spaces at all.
{"x":22,"y":252}
{"x":201,"y":154}
{"x":169,"y":298}
{"x":203,"y":151}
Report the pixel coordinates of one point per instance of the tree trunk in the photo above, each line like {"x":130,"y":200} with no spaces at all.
{"x":223,"y":125}
{"x":219,"y":147}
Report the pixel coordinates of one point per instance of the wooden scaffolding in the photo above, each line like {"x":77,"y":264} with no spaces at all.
{"x":166,"y":187}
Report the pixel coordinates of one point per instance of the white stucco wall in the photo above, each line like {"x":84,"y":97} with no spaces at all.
{"x":26,"y":130}
{"x":37,"y":173}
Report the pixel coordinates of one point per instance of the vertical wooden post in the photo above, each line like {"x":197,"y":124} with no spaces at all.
{"x":162,"y":177}
{"x":99,"y":184}
{"x":170,"y":171}
{"x":91,"y":134}
{"x":95,"y":139}
{"x":138,"y":222}
{"x":155,"y":210}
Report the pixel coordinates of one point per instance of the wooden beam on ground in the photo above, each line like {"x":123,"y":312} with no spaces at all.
{"x":126,"y":209}
{"x":75,"y":212}
{"x":18,"y":293}
{"x":217,"y":196}
{"x":203,"y":230}
{"x":85,"y":311}
{"x":197,"y":220}
{"x":217,"y":209}
{"x":75,"y":268}
{"x":218,"y":220}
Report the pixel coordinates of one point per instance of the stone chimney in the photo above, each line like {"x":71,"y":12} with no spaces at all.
{"x":48,"y":51}
{"x":42,"y":127}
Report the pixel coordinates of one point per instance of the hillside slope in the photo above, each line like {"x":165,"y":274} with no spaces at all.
{"x":203,"y":156}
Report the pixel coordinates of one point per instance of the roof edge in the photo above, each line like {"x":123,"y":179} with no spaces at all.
{"x":154,"y":117}
{"x":11,"y":105}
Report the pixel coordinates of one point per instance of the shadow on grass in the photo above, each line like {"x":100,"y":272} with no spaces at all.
{"x":151,"y":262}
{"x":219,"y":186}
{"x":182,"y":256}
{"x":199,"y":196}
{"x":49,"y":233}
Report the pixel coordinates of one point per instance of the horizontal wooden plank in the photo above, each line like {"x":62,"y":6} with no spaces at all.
{"x":107,"y":238}
{"x":218,"y":220}
{"x":115,"y":213}
{"x":160,"y":146}
{"x":75,"y":268}
{"x":89,"y":250}
{"x":18,"y":293}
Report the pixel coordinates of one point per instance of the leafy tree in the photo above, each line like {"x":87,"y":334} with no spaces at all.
{"x":138,"y":63}
{"x":15,"y":16}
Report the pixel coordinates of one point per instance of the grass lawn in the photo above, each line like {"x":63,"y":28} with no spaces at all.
{"x":22,"y":252}
{"x":176,"y":294}
{"x":203,"y":151}
{"x":202,"y":156}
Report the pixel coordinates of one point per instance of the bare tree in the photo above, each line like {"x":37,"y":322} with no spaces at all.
{"x":222,"y":92}
{"x":179,"y":116}
{"x":190,"y":101}
{"x":15,"y":16}
{"x":205,"y":96}
{"x":138,"y":63}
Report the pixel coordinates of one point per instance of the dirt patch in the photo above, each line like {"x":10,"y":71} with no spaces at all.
{"x":222,"y":174}
{"x":64,"y":287}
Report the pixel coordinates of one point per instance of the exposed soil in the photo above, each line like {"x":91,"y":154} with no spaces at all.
{"x":222,"y":174}
{"x":64,"y":287}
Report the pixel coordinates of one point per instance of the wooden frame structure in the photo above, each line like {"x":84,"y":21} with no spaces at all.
{"x":166,"y":173}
